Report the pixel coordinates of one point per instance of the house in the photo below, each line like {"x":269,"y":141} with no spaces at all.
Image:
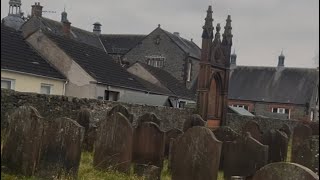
{"x":279,"y":92}
{"x":170,"y":52}
{"x":23,"y":69}
{"x":180,"y":96}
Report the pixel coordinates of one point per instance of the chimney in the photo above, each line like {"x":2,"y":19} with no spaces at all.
{"x":176,"y":34}
{"x":233,"y":59}
{"x":281,"y":60}
{"x":66,"y":28}
{"x":36,"y":10}
{"x":97,"y":28}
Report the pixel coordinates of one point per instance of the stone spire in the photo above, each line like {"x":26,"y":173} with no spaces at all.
{"x":64,"y":16}
{"x":208,"y":27}
{"x":227,"y":35}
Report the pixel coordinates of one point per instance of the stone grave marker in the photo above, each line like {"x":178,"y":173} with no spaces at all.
{"x":61,"y":148}
{"x":244,"y":156}
{"x":286,"y":129}
{"x":83,"y":119}
{"x":285,"y":171}
{"x":113,"y":146}
{"x":194,"y":120}
{"x":22,"y":144}
{"x":224,"y":134}
{"x":170,"y":135}
{"x":123,"y":110}
{"x":278,"y":145}
{"x":148,"y":144}
{"x":301,"y":147}
{"x":148,"y":117}
{"x":254,"y":129}
{"x":195,"y":155}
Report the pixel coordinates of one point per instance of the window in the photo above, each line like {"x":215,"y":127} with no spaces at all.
{"x":246,"y":107}
{"x":111,"y":95}
{"x":281,"y":111}
{"x":155,"y":61}
{"x":7,"y":83}
{"x":182,"y":104}
{"x":189,"y":72}
{"x":45,"y":88}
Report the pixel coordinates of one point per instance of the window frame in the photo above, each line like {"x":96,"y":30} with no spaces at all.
{"x":12,"y":82}
{"x":189,"y":68}
{"x":107,"y":95}
{"x":46,"y":85}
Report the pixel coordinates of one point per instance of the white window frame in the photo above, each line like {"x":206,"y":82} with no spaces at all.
{"x":282,"y":111}
{"x":189,"y":71}
{"x":46,"y":85}
{"x":241,"y":106}
{"x":12,"y":82}
{"x":155,"y":61}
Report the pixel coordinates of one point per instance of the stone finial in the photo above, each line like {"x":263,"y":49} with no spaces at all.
{"x":208,"y":27}
{"x":227,"y":35}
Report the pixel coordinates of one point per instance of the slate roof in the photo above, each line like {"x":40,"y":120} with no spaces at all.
{"x":97,"y":63}
{"x":18,"y":55}
{"x":170,"y":82}
{"x":120,"y":43}
{"x":287,"y":85}
{"x":56,"y":27}
{"x":186,"y":45}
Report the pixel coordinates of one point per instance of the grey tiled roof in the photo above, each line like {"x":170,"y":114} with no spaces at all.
{"x":18,"y":55}
{"x":120,"y":43}
{"x":289,"y":85}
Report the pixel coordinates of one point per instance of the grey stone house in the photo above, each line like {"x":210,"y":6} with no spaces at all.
{"x":170,"y":52}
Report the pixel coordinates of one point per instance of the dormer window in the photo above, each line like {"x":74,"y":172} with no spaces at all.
{"x":155,"y":61}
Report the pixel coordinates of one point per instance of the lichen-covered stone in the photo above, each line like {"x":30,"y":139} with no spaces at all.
{"x":194,"y":120}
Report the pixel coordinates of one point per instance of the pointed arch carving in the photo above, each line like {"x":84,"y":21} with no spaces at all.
{"x":215,"y":96}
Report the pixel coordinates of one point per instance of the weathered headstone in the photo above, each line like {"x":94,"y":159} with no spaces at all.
{"x":194,"y":120}
{"x":22,"y":145}
{"x":285,"y":171}
{"x":286,"y":129}
{"x":61,"y":148}
{"x":149,"y":172}
{"x":113,"y":145}
{"x":224,"y":134}
{"x":278,"y":145}
{"x":148,"y":117}
{"x":148,"y":144}
{"x":170,"y":135}
{"x":244,"y":156}
{"x":83,"y":119}
{"x":90,"y":138}
{"x":196,"y":155}
{"x":301,"y":148}
{"x":254,"y":129}
{"x":123,"y":110}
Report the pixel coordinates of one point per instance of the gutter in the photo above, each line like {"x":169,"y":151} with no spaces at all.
{"x":64,"y":88}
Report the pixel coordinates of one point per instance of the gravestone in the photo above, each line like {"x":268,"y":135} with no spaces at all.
{"x":286,"y":129}
{"x":148,"y":144}
{"x":285,"y":171}
{"x":170,"y":135}
{"x":278,"y":145}
{"x":123,"y":110}
{"x":254,"y":129}
{"x":149,"y":172}
{"x":113,"y":146}
{"x":22,"y":144}
{"x":223,"y":134}
{"x":61,"y":148}
{"x":301,"y":148}
{"x":194,"y":120}
{"x":195,"y":155}
{"x":244,"y":156}
{"x":83,"y":119}
{"x":148,"y":117}
{"x":91,"y":137}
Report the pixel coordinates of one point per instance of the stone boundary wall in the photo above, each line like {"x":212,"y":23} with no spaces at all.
{"x":53,"y":106}
{"x":236,"y":122}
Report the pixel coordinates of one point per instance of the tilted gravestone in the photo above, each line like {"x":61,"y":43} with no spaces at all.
{"x":254,"y":129}
{"x":61,"y":148}
{"x":301,"y":148}
{"x":278,"y":145}
{"x":170,"y":135}
{"x":285,"y":171}
{"x":148,"y":145}
{"x":224,"y":134}
{"x":148,"y":117}
{"x":22,"y":144}
{"x":286,"y":129}
{"x":194,"y":120}
{"x":83,"y":119}
{"x":195,"y":155}
{"x":244,"y":156}
{"x":113,"y":146}
{"x":123,"y":110}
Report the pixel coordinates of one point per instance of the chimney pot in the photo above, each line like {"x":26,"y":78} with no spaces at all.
{"x":97,"y":28}
{"x":67,"y":28}
{"x":36,"y":10}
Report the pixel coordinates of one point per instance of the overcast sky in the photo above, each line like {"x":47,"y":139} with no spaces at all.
{"x":261,"y":28}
